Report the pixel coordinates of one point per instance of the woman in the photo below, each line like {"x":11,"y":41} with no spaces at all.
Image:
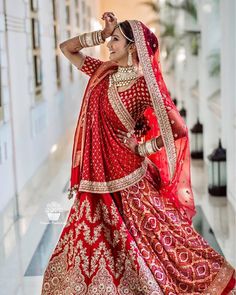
{"x":129,"y":230}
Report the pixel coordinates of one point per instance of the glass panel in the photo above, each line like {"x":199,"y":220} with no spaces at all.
{"x":55,"y":37}
{"x":68,"y":34}
{"x":193,"y":143}
{"x":89,"y":18}
{"x":35,"y":32}
{"x":37,"y":71}
{"x":68,"y":14}
{"x":71,"y":72}
{"x":84,"y":15}
{"x":58,"y":67}
{"x":34,"y":5}
{"x":77,"y":19}
{"x":223,"y":176}
{"x":199,"y":142}
{"x":215,"y":173}
{"x":210,"y":174}
{"x":54,"y":10}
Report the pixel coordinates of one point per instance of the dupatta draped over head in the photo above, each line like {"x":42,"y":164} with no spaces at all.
{"x":172,"y":161}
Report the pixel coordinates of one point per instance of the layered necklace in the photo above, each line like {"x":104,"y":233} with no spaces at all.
{"x":124,"y":76}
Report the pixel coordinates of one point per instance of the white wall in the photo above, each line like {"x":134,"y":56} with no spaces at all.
{"x":30,"y":129}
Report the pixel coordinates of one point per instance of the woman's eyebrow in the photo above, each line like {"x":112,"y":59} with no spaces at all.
{"x":115,"y":36}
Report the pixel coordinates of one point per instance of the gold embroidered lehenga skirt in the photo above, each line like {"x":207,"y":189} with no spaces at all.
{"x":133,"y":242}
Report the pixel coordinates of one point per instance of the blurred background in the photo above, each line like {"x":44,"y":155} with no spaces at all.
{"x":40,"y":97}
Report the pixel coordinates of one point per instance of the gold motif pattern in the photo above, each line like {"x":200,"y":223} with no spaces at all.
{"x":77,"y":269}
{"x":102,"y":283}
{"x":156,"y":96}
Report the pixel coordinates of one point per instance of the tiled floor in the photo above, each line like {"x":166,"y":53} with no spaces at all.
{"x":27,"y":246}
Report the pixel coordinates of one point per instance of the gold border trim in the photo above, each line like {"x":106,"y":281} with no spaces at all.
{"x":156,"y":96}
{"x":119,"y":108}
{"x":221,"y":280}
{"x":114,"y":185}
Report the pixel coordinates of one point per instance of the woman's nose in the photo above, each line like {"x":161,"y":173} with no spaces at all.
{"x":109,"y":44}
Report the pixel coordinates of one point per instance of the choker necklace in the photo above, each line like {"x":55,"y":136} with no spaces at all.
{"x":124,"y":76}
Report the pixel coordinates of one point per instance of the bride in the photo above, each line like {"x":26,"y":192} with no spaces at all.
{"x":129,"y":230}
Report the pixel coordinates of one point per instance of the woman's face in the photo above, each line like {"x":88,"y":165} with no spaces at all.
{"x":118,"y":48}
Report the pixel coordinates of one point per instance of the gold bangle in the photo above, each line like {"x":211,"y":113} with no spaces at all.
{"x":149,"y":148}
{"x":141,"y":150}
{"x":91,"y":39}
{"x":155,"y":145}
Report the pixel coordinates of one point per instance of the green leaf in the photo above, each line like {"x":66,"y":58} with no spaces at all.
{"x":214,"y":64}
{"x":188,"y":6}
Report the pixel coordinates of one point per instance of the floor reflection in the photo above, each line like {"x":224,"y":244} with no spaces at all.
{"x":45,"y":247}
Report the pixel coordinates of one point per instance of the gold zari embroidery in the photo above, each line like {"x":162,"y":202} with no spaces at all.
{"x":119,"y":108}
{"x":156,"y":96}
{"x":113,"y":185}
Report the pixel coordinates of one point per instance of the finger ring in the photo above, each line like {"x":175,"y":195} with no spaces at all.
{"x":128,"y":134}
{"x":125,"y":140}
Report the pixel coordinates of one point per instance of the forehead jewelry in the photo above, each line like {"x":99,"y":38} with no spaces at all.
{"x":122,"y":32}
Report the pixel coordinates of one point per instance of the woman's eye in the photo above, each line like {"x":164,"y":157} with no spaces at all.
{"x":116,"y":39}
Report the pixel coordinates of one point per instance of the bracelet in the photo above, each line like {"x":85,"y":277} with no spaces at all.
{"x":142,"y":150}
{"x":91,"y":39}
{"x":147,"y":148}
{"x":155,"y":146}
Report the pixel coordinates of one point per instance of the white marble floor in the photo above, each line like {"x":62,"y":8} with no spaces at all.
{"x":31,"y":239}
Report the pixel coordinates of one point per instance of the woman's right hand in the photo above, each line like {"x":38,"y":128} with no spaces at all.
{"x":110,"y":23}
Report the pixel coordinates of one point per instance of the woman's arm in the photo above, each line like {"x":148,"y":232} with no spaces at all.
{"x":71,"y":48}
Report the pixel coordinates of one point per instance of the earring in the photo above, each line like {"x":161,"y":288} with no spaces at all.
{"x":130,"y":61}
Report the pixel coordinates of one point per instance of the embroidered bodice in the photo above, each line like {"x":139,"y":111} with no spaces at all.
{"x":136,"y":98}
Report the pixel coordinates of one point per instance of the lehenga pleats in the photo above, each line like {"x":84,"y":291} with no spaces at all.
{"x":133,"y":242}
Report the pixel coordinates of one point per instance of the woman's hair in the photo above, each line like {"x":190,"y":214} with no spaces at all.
{"x":126,"y":28}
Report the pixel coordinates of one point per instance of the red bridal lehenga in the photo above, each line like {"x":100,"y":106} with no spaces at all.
{"x":129,"y":230}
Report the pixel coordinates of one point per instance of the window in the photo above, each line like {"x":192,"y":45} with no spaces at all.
{"x":84,"y":15}
{"x":77,"y":18}
{"x":37,"y":63}
{"x":89,"y":18}
{"x":34,"y":5}
{"x":69,"y":31}
{"x":55,"y":31}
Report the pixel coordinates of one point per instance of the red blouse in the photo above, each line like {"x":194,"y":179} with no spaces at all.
{"x":136,"y":99}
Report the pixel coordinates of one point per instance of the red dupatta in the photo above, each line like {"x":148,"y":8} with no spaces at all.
{"x":173,"y":161}
{"x":101,"y":163}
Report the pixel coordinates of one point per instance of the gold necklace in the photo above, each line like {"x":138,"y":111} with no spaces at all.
{"x":123,"y":76}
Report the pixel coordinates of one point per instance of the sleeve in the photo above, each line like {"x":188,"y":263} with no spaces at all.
{"x":90,"y":65}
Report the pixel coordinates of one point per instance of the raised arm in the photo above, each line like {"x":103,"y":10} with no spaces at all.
{"x":71,"y":48}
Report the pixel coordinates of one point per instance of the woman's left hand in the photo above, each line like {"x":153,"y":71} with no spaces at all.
{"x":128,"y":139}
